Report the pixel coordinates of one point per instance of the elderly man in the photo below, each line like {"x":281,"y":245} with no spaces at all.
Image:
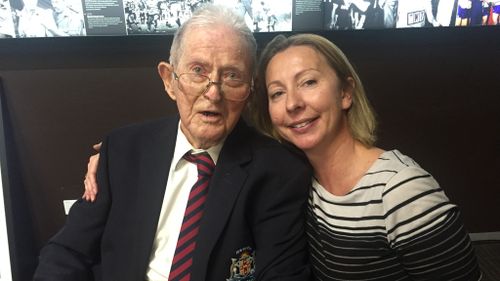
{"x":236,"y":213}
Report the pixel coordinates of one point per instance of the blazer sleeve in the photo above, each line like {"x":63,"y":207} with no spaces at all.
{"x":75,"y":249}
{"x":278,"y":218}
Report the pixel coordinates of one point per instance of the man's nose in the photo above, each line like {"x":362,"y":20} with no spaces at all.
{"x":213,"y":93}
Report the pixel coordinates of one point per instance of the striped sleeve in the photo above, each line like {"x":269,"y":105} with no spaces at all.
{"x":426,"y":230}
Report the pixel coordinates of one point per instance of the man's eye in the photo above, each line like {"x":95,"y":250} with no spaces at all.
{"x":197,"y":70}
{"x":232,"y":76}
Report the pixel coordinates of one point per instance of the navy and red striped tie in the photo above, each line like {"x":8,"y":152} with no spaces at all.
{"x":183,"y":257}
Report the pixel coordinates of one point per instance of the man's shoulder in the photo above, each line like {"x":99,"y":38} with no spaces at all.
{"x":269,"y":151}
{"x":148,"y":126}
{"x":145,"y":131}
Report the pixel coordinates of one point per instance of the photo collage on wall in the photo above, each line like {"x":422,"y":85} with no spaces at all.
{"x":52,"y":18}
{"x":371,"y":14}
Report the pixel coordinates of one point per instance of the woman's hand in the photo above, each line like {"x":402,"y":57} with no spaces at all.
{"x":91,"y":176}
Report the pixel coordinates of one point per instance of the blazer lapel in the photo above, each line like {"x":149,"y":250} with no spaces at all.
{"x":225,"y":185}
{"x":156,"y":155}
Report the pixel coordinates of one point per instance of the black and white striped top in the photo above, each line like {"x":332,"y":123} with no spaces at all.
{"x":395,"y":224}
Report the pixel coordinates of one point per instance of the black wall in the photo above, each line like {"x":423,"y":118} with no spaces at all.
{"x":435,"y":91}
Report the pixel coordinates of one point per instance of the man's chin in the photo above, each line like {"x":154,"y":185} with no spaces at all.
{"x":209,"y":137}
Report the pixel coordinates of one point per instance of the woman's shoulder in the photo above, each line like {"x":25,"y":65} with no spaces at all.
{"x":395,"y":160}
{"x":388,"y":164}
{"x":393,"y":167}
{"x":407,"y":175}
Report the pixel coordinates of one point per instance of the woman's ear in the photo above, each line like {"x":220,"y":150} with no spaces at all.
{"x":166,"y":72}
{"x":347,"y":93}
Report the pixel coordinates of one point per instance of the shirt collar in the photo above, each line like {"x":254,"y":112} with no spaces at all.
{"x":182,"y":146}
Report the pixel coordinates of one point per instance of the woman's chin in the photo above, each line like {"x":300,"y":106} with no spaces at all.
{"x":304,"y":144}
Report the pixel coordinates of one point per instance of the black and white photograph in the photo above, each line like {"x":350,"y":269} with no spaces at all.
{"x":68,"y":15}
{"x":263,"y":15}
{"x":444,"y":11}
{"x":149,"y":17}
{"x":33,"y":18}
{"x":6,"y":22}
{"x":47,"y":18}
{"x":354,"y":14}
{"x":157,"y":16}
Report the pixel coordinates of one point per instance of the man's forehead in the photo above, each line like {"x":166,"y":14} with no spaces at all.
{"x":205,"y":46}
{"x":217,"y":35}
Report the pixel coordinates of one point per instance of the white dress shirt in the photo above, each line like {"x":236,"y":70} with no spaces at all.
{"x":181,"y":177}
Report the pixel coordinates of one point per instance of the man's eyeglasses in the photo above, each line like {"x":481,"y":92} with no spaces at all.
{"x":194,"y":84}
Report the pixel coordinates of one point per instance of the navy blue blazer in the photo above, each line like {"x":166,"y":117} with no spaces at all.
{"x":252,"y":227}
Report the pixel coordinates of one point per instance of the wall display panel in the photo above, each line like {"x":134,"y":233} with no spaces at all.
{"x":52,"y":18}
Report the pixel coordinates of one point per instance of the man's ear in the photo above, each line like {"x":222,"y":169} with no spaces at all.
{"x":166,"y":72}
{"x":347,"y":93}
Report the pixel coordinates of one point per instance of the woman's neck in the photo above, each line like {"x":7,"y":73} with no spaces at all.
{"x":342,"y":164}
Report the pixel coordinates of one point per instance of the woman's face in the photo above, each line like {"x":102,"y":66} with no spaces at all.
{"x":307,"y":102}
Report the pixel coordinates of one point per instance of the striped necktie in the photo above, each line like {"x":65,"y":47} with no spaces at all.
{"x":183,"y":257}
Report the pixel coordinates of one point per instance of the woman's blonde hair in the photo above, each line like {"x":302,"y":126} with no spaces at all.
{"x":360,"y":116}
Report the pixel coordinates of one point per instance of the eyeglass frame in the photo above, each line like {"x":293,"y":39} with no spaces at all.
{"x":210,"y":83}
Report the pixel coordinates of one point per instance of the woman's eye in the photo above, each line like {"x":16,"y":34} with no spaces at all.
{"x":310,"y":82}
{"x":275,"y":95}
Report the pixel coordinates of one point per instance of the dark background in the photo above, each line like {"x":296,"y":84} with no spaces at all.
{"x":435,"y":91}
